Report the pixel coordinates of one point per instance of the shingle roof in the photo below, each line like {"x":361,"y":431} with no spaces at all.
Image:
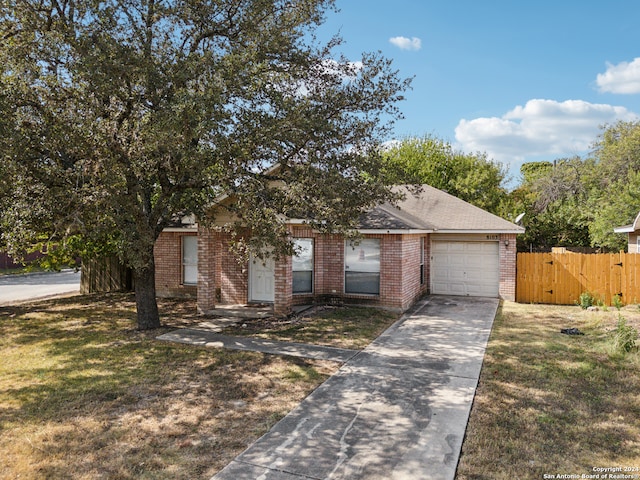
{"x":434,"y":210}
{"x":629,"y":228}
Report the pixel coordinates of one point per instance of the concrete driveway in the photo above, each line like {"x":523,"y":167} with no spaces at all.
{"x":21,"y":288}
{"x":397,"y":410}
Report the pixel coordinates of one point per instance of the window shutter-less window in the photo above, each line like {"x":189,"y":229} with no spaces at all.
{"x":302,"y":265}
{"x":189,"y":260}
{"x":362,"y":266}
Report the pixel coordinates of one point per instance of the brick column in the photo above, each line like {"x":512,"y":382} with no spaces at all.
{"x":391,"y":270}
{"x":207,"y":265}
{"x":329,"y":266}
{"x":508,"y":266}
{"x":283,"y":294}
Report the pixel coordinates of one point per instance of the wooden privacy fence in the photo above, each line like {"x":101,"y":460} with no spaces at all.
{"x":104,"y":275}
{"x":560,"y":278}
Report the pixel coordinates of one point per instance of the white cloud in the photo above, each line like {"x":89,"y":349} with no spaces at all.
{"x":404,"y":43}
{"x":540,"y":128}
{"x":621,"y":78}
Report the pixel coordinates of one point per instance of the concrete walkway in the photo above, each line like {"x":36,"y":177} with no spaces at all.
{"x":213,"y":339}
{"x":397,"y":410}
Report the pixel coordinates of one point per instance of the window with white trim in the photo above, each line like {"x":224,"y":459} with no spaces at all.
{"x":362,"y":266}
{"x":302,"y":265}
{"x":189,"y":260}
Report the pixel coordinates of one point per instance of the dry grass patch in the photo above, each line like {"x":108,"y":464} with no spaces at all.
{"x":84,"y":395}
{"x":341,"y":327}
{"x":549,"y":403}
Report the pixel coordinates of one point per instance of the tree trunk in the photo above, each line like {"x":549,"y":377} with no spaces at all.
{"x":146,"y":304}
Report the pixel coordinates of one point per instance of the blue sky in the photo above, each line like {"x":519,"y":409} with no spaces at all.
{"x":521,"y":80}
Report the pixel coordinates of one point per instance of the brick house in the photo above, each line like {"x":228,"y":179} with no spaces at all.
{"x":431,"y":242}
{"x":633,"y":234}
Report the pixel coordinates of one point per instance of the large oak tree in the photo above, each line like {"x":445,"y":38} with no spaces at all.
{"x":120,"y":115}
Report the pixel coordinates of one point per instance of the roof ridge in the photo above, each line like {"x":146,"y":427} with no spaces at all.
{"x":397,"y":212}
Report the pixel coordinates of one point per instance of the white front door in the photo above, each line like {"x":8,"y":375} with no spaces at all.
{"x":261,"y":279}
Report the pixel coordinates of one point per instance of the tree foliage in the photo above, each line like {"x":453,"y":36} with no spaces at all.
{"x":619,"y":206}
{"x":618,"y":151}
{"x":122,"y":115}
{"x":578,"y":202}
{"x":429,"y":160}
{"x":616,"y":200}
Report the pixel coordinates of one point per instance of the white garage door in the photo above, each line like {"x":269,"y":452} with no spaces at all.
{"x":465,"y":268}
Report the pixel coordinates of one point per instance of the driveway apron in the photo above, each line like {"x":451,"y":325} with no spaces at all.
{"x":396,"y":410}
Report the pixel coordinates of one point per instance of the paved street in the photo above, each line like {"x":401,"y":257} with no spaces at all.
{"x":20,"y":288}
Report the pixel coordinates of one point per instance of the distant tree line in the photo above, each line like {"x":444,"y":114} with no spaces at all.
{"x":577,"y":202}
{"x":571,"y":202}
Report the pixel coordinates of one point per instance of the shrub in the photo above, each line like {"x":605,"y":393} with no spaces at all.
{"x":616,"y":301}
{"x":586,"y":300}
{"x":624,"y":336}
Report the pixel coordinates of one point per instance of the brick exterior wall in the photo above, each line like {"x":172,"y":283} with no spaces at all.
{"x":207,"y":269}
{"x":508,"y":267}
{"x":399,"y":271}
{"x":223,"y":280}
{"x":412,"y":289}
{"x":391,"y":270}
{"x":329,"y":266}
{"x":283,"y":281}
{"x":232,"y":280}
{"x":168,"y":258}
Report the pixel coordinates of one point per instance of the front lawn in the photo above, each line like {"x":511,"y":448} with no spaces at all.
{"x":84,"y":395}
{"x":342,"y":327}
{"x":553,"y":404}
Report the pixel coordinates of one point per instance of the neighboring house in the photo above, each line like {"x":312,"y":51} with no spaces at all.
{"x":429,"y":243}
{"x":633,"y":234}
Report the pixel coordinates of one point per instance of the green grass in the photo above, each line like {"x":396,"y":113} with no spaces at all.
{"x":549,"y":403}
{"x":343,"y":327}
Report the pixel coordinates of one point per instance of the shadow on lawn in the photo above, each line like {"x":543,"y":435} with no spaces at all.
{"x":98,"y":362}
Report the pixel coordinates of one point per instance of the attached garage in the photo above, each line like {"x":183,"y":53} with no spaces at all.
{"x":469,"y":268}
